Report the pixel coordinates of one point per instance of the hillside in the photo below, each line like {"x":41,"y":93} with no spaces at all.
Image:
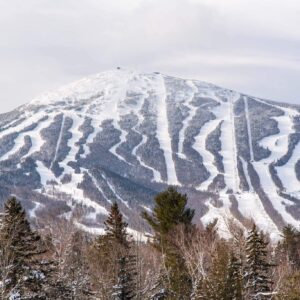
{"x":124,"y":136}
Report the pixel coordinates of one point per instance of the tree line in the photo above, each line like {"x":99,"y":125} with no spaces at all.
{"x":179,"y":260}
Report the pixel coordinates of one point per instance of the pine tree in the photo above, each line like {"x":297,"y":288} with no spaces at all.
{"x":170,"y":213}
{"x":28,"y":272}
{"x":257,"y":277}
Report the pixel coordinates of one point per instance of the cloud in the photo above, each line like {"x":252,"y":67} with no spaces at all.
{"x":251,"y":46}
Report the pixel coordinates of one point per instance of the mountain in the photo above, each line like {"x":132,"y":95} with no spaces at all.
{"x":124,"y":136}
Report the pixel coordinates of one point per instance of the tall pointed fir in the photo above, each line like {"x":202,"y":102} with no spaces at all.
{"x":115,"y":227}
{"x":112,"y":247}
{"x":28,"y":274}
{"x":170,"y":213}
{"x":257,"y":278}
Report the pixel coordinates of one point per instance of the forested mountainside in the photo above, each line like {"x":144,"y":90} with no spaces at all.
{"x":125,"y":136}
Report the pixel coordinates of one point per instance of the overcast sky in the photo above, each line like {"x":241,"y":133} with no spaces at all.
{"x":252,"y":46}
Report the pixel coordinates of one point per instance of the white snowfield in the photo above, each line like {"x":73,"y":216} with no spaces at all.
{"x":114,"y":95}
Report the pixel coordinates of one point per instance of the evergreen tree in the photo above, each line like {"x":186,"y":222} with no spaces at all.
{"x":233,"y":285}
{"x":290,"y":245}
{"x":112,"y":249}
{"x":28,"y":276}
{"x":115,"y":227}
{"x":257,"y":277}
{"x":170,"y":213}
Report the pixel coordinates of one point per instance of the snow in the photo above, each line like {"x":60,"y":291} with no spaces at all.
{"x":136,"y":235}
{"x":99,"y":188}
{"x":248,"y":128}
{"x":278,"y":144}
{"x":72,"y":143}
{"x":112,"y":188}
{"x":208,"y":158}
{"x":223,"y":214}
{"x":83,"y":89}
{"x":245,"y":169}
{"x":189,"y":118}
{"x":163,"y":132}
{"x":156,"y":174}
{"x":251,"y":207}
{"x":58,"y":141}
{"x":105,"y":96}
{"x":45,"y":174}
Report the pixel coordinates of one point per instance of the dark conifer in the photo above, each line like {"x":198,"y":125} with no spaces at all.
{"x":27,"y":276}
{"x":170,"y":213}
{"x":115,"y":227}
{"x":233,"y":284}
{"x":258,"y":269}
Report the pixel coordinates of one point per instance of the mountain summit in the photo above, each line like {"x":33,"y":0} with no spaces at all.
{"x":124,"y":136}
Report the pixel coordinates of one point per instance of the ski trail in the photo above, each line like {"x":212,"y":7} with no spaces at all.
{"x":207,"y":156}
{"x":137,"y":112}
{"x":250,"y":206}
{"x":72,"y":144}
{"x":36,"y":140}
{"x":96,"y":124}
{"x":163,"y":133}
{"x":58,"y":141}
{"x":224,"y":112}
{"x":245,"y":169}
{"x":233,"y":139}
{"x":117,"y":97}
{"x":34,"y":136}
{"x":99,"y":188}
{"x":112,"y":188}
{"x":222,"y":214}
{"x":123,"y":138}
{"x":248,"y":128}
{"x":188,"y":119}
{"x":278,"y":143}
{"x":287,"y":173}
{"x":156,"y":174}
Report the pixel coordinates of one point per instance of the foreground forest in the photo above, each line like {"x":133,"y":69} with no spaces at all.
{"x":179,"y":260}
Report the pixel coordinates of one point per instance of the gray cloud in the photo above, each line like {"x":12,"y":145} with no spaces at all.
{"x":251,"y":46}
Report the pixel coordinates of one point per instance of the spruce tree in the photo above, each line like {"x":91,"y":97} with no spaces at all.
{"x":115,"y":227}
{"x":112,"y":249}
{"x":170,"y":212}
{"x":258,"y":270}
{"x":28,"y":273}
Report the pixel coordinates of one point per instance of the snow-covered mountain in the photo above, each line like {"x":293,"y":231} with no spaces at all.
{"x":124,"y":136}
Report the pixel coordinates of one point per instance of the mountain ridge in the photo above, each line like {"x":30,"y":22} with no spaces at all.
{"x":124,"y":136}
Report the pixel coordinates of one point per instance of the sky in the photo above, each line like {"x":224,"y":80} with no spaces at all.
{"x":252,"y":46}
